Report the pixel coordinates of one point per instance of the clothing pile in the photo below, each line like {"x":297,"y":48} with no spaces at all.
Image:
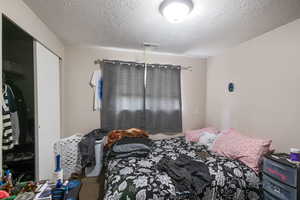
{"x":131,"y":147}
{"x":87,"y":147}
{"x":119,"y":144}
{"x":189,"y":176}
{"x":128,"y":143}
{"x":117,"y":135}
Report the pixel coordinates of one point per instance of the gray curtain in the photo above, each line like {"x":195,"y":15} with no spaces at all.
{"x":123,"y":96}
{"x":163,"y":99}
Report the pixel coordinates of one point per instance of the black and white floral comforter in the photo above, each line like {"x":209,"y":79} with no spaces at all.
{"x":138,"y":178}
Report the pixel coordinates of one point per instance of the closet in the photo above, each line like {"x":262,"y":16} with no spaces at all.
{"x":30,"y":104}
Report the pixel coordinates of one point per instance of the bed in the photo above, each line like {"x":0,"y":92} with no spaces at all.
{"x":138,"y":178}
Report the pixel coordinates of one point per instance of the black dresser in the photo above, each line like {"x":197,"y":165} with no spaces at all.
{"x":280,"y":178}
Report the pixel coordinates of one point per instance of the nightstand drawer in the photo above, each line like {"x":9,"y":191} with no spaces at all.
{"x":279,"y":190}
{"x":283,"y":173}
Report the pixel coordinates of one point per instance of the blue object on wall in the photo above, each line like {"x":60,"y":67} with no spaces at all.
{"x":230,"y":87}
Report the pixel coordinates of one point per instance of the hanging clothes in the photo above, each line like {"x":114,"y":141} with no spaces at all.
{"x":21,"y":107}
{"x":9,"y":98}
{"x":10,"y":102}
{"x":97,"y":84}
{"x":7,"y":105}
{"x":15,"y":127}
{"x":7,"y":140}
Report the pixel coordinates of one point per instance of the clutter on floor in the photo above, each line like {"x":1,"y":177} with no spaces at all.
{"x":11,"y":189}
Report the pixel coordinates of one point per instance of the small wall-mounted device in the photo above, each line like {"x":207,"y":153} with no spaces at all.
{"x":231,"y":87}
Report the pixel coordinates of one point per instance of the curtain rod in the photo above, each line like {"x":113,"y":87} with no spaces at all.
{"x":98,"y":61}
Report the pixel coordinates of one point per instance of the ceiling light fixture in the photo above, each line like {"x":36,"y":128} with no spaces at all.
{"x":176,"y":11}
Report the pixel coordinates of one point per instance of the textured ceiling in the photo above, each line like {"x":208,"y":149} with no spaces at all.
{"x":213,"y":25}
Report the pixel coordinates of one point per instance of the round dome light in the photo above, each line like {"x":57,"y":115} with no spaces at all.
{"x":176,"y":11}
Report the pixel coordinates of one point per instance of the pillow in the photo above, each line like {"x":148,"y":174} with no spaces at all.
{"x":161,"y":136}
{"x":246,"y":149}
{"x":207,"y":139}
{"x":194,"y":135}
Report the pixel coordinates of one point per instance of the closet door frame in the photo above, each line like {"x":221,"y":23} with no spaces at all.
{"x":37,"y":122}
{"x":1,"y":159}
{"x":36,"y":129}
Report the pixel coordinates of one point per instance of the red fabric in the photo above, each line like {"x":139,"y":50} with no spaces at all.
{"x":3,"y":194}
{"x":117,"y":135}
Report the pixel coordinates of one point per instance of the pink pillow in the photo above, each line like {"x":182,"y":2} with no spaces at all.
{"x":194,"y":135}
{"x":246,"y":149}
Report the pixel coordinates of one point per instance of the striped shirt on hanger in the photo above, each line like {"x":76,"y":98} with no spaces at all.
{"x":7,"y":139}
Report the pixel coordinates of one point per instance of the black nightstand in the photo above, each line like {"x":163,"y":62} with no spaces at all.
{"x":281,"y":178}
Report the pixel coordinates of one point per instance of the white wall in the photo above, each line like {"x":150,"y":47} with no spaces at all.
{"x":78,"y":116}
{"x":266,"y":72}
{"x":24,"y":17}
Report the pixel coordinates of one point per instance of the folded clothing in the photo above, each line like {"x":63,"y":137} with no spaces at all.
{"x":117,"y":135}
{"x":140,"y":154}
{"x":128,"y":144}
{"x":131,"y":147}
{"x":189,"y":176}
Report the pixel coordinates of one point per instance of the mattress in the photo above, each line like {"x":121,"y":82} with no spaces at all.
{"x":138,"y":178}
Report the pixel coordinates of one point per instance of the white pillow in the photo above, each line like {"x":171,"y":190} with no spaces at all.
{"x":161,"y":136}
{"x":207,"y":139}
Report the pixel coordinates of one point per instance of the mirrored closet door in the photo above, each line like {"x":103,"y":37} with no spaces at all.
{"x":30,"y":104}
{"x":18,"y":109}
